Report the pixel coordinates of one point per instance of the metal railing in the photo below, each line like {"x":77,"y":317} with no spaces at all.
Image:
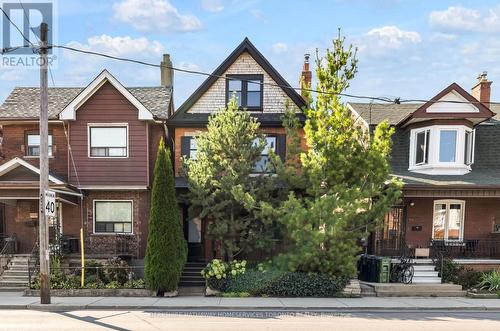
{"x":466,"y":249}
{"x":8,"y":244}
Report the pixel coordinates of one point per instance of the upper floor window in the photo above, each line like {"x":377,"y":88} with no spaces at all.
{"x":247,"y":89}
{"x":108,"y":141}
{"x":33,"y":144}
{"x":442,"y":150}
{"x":262,"y":164}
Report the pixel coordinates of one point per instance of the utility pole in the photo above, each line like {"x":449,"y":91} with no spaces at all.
{"x":44,"y":168}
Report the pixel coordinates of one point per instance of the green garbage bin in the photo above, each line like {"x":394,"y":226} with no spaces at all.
{"x":384,"y":269}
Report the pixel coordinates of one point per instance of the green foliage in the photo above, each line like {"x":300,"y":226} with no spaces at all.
{"x":218,"y":269}
{"x":166,"y":252}
{"x":221,"y":188}
{"x":117,"y":270}
{"x":490,"y":281}
{"x":281,"y":284}
{"x":94,"y":270}
{"x":113,"y":284}
{"x":135,"y":283}
{"x":347,"y":178}
{"x":461,"y":275}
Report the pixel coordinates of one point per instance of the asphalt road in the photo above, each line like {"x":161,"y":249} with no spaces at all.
{"x":246,"y":320}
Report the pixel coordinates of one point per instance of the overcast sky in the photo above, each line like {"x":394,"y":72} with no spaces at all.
{"x":407,"y":49}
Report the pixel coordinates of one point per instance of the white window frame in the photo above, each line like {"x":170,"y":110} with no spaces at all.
{"x":472,"y":142}
{"x":112,"y":233}
{"x":448,"y":202}
{"x":258,"y":172}
{"x":433,"y":165}
{"x":106,"y":125}
{"x":51,"y":146}
{"x":427,"y":146}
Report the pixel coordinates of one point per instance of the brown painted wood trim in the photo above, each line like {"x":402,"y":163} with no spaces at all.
{"x":432,"y":122}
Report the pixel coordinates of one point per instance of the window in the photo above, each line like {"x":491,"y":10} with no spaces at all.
{"x":247,"y":89}
{"x":448,"y":220}
{"x":113,"y":216}
{"x":469,"y":147}
{"x":109,"y":141}
{"x":441,"y":150}
{"x":447,"y":145}
{"x":422,"y":147}
{"x":192,"y":148}
{"x":263,"y":164}
{"x":33,"y":144}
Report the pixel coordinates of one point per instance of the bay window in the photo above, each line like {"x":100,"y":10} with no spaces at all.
{"x":108,"y":141}
{"x":113,"y":216}
{"x":448,"y":220}
{"x":442,"y":150}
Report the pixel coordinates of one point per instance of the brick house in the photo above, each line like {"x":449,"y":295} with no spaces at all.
{"x":447,"y":153}
{"x":102,"y":143}
{"x":113,"y":134}
{"x":247,"y":73}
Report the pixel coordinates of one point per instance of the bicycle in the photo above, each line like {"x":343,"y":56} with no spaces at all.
{"x":402,"y":272}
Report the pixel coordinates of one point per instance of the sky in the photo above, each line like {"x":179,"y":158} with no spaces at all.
{"x":410,"y":49}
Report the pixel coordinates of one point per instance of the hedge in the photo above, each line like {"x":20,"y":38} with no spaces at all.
{"x":280,"y":284}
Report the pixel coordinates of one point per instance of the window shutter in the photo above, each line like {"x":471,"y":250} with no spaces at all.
{"x":185,"y":144}
{"x":281,"y":146}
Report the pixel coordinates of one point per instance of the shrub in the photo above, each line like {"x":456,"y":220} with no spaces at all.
{"x":113,"y":284}
{"x":94,"y":270}
{"x":116,"y":270}
{"x":220,"y":270}
{"x":135,"y":283}
{"x":279,"y":283}
{"x":490,"y":281}
{"x":461,"y":275}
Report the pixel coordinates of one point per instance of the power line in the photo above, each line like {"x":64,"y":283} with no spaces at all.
{"x":211,"y":74}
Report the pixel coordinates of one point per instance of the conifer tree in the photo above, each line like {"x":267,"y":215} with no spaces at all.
{"x":166,"y":252}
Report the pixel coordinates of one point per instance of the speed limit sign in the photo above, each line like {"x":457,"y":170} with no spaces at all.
{"x":49,"y":205}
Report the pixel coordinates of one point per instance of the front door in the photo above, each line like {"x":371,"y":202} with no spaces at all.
{"x":194,"y":237}
{"x":390,"y":238}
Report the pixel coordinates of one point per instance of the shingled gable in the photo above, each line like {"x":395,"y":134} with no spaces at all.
{"x":183,"y":116}
{"x":16,"y":162}
{"x":476,"y":112}
{"x":69,"y":112}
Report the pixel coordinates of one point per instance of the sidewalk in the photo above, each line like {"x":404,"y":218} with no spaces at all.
{"x":11,"y":300}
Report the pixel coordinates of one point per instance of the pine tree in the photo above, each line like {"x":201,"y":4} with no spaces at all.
{"x":166,"y":252}
{"x":222,"y":188}
{"x":347,"y":174}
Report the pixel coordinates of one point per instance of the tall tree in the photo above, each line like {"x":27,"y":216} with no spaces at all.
{"x":222,"y":187}
{"x":347,"y":174}
{"x":166,"y":252}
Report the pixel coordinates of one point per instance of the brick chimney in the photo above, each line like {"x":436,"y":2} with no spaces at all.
{"x":167,"y":73}
{"x":306,"y":76}
{"x":482,"y":90}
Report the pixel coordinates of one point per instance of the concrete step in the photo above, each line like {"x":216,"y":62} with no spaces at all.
{"x":12,"y":288}
{"x":426,"y":280}
{"x":10,"y":272}
{"x":191,"y":290}
{"x":6,"y":283}
{"x":15,"y":278}
{"x":191,"y":283}
{"x":419,"y":273}
{"x":424,"y":267}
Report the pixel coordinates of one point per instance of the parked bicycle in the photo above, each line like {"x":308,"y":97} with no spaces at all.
{"x":403,"y":271}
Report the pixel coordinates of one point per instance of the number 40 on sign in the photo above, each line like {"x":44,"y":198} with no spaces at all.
{"x":50,"y":203}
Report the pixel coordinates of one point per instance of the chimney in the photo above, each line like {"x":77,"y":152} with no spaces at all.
{"x":167,"y":73}
{"x":482,"y":90}
{"x":305,"y":77}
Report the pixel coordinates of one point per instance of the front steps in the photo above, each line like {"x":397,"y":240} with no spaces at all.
{"x":425,"y":274}
{"x":191,"y":275}
{"x":16,"y":276}
{"x":414,"y":290}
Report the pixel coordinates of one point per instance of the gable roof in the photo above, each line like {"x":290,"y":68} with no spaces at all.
{"x":182,"y":115}
{"x":23,"y":103}
{"x":17,"y":162}
{"x":479,"y":113}
{"x":395,"y":114}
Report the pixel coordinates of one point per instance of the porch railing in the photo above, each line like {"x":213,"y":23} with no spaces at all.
{"x":466,"y":249}
{"x":8,"y":244}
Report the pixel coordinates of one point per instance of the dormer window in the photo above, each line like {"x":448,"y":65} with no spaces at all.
{"x":442,"y":150}
{"x":247,"y":89}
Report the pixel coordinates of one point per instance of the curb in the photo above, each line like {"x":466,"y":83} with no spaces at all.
{"x":59,"y":307}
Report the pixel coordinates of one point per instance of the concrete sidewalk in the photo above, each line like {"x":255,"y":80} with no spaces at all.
{"x":15,"y":300}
